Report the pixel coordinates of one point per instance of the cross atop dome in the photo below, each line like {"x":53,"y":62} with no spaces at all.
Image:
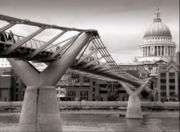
{"x":157,"y":16}
{"x":157,"y":13}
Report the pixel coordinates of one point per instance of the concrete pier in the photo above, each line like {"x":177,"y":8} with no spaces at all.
{"x":134,"y":107}
{"x":40,"y":111}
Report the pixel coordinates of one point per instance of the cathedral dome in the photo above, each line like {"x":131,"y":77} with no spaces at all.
{"x":158,"y":29}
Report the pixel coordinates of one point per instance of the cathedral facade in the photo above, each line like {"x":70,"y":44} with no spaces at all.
{"x":157,"y":42}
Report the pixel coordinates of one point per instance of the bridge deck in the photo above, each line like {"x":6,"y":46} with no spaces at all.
{"x":22,"y":48}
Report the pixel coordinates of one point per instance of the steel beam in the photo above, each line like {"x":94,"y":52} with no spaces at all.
{"x":97,"y":66}
{"x":91,"y":75}
{"x":32,"y":23}
{"x":6,"y":27}
{"x":92,"y":62}
{"x":21,"y":42}
{"x":37,"y":51}
{"x":86,"y":56}
{"x":104,"y":69}
{"x":56,"y":53}
{"x":139,"y":90}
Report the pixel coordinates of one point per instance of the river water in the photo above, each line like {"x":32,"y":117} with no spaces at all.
{"x":101,"y":121}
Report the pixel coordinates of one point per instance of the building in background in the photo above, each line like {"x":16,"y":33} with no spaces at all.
{"x":77,"y":87}
{"x":168,"y":81}
{"x":6,"y":87}
{"x":11,"y":87}
{"x":6,"y":84}
{"x":158,"y":55}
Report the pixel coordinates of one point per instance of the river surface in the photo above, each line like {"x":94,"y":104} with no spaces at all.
{"x":104,"y":121}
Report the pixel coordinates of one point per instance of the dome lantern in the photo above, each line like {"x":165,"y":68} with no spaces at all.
{"x":157,"y":14}
{"x":157,"y":28}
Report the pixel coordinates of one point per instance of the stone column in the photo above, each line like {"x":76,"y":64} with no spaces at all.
{"x":155,"y":50}
{"x":158,"y":51}
{"x":153,"y":70}
{"x":169,"y":50}
{"x":165,"y":54}
{"x":147,"y":50}
{"x":162,"y":50}
{"x":144,"y":51}
{"x":172,"y":50}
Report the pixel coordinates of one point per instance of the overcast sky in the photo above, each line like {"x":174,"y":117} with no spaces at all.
{"x":121,"y":23}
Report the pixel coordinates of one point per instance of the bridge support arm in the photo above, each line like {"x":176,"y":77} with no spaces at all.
{"x":56,"y":69}
{"x":25,"y":71}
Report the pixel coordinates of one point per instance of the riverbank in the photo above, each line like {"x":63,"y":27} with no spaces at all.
{"x":98,"y":105}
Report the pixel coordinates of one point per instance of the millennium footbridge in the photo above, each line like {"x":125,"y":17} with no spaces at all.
{"x":40,"y":108}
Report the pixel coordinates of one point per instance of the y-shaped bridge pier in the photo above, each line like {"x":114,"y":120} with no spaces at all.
{"x":40,"y":108}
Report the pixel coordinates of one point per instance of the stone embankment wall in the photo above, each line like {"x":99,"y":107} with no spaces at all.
{"x":97,"y":105}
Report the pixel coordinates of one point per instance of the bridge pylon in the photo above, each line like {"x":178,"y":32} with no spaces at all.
{"x":134,"y":110}
{"x":40,"y":111}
